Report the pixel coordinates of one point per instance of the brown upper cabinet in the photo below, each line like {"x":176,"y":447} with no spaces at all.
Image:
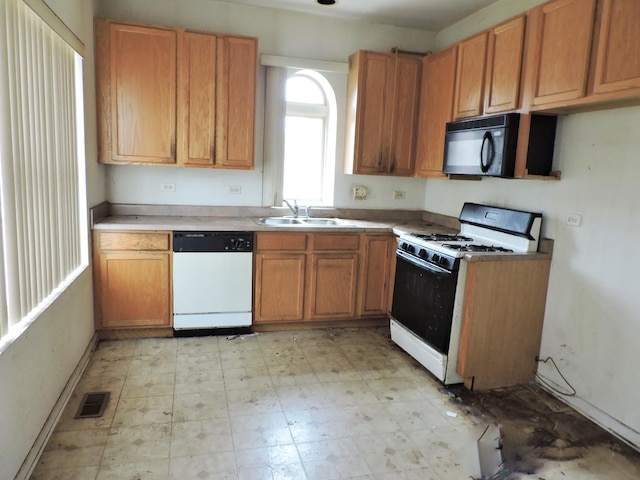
{"x":618,"y":50}
{"x":170,"y":96}
{"x":468,"y":98}
{"x":197,"y":111}
{"x":237,"y":60}
{"x":137,"y":89}
{"x":584,"y":54}
{"x":504,"y":66}
{"x":560,"y":43}
{"x":436,"y":108}
{"x":382,"y":113}
{"x":488,"y":71}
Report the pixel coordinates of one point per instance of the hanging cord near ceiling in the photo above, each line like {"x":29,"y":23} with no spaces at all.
{"x":572,"y":391}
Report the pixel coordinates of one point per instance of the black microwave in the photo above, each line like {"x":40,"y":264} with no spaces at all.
{"x":487,"y":146}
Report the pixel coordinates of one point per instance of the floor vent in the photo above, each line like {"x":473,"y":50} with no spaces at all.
{"x":93,"y":405}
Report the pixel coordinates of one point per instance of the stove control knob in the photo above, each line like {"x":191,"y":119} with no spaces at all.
{"x":423,"y":253}
{"x":443,"y":261}
{"x":436,"y":258}
{"x":410,"y":249}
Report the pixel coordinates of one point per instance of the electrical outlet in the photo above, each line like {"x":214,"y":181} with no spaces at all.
{"x":573,"y":220}
{"x":168,"y":187}
{"x":398,"y":194}
{"x":234,"y":189}
{"x":360,"y":192}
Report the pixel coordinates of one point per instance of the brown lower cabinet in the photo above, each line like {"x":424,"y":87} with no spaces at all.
{"x":321,"y":276}
{"x":132,"y":280}
{"x":376,"y":280}
{"x":299,"y":277}
{"x":501,"y":332}
{"x":279,"y":286}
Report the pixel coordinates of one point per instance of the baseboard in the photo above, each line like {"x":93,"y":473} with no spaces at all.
{"x":317,"y":324}
{"x":616,"y":428}
{"x":31,"y":460}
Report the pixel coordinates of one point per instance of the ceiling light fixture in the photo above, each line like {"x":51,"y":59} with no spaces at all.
{"x":326,"y":2}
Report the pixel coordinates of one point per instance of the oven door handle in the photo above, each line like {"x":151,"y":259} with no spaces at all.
{"x":421,"y":263}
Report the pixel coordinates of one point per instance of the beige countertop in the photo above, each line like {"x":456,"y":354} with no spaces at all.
{"x":168,"y":218}
{"x":194,"y":223}
{"x":153,"y":218}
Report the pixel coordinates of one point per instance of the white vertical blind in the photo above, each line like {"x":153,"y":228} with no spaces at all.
{"x":42,"y":210}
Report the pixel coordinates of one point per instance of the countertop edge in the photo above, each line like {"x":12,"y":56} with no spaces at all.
{"x":188,"y":223}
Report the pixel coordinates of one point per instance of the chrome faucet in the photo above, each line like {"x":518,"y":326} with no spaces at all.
{"x":294,"y":209}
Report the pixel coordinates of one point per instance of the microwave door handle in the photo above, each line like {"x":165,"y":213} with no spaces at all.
{"x":487,"y":139}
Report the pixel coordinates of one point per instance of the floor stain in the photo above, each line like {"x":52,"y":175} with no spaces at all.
{"x":536,"y":426}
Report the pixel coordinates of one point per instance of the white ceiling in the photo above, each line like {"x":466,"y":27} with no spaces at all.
{"x":431,"y":15}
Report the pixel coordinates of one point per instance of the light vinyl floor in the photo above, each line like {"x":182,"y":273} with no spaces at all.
{"x":304,"y":405}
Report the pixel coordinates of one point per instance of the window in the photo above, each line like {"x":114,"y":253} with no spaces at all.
{"x":42,"y":183}
{"x":309,"y":138}
{"x":302,"y":131}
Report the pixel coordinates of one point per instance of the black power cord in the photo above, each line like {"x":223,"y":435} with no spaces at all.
{"x":572,"y":391}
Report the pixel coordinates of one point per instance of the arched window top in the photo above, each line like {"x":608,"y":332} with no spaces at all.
{"x":303,"y":87}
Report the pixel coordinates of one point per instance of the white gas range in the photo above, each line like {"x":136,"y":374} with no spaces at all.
{"x":430,"y":274}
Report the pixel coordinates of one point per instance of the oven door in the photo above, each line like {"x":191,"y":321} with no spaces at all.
{"x":423,"y":300}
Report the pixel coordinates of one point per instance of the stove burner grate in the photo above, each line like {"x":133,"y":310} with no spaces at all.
{"x":476,"y":248}
{"x":443,"y":237}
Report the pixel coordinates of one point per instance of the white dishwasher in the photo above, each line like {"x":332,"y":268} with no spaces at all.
{"x":212,"y":280}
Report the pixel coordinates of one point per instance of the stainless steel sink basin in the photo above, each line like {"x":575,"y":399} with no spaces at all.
{"x":279,"y":221}
{"x":320,"y":221}
{"x":311,"y":222}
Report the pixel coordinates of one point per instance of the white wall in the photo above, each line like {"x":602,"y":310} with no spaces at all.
{"x":592,"y":325}
{"x":279,"y":33}
{"x":36,"y":366}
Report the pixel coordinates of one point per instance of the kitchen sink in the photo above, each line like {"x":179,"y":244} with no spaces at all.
{"x":279,"y":221}
{"x":320,"y":222}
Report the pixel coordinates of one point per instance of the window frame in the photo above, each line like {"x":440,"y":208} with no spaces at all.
{"x":335,"y":73}
{"x":42,"y":164}
{"x":327,"y":112}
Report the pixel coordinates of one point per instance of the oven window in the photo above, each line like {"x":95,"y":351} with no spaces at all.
{"x":423,"y":302}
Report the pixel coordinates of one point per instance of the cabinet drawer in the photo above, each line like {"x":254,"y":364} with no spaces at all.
{"x":332,"y":241}
{"x":281,"y":241}
{"x":133,"y":241}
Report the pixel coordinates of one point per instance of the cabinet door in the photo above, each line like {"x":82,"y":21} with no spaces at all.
{"x":470,"y":69}
{"x":332,"y":288}
{"x":374,"y":83}
{"x":197,"y":99}
{"x":236,"y":91}
{"x":279,"y":287}
{"x":504,"y":66}
{"x":376,"y":274}
{"x":436,"y":107}
{"x":143,"y":87}
{"x":135,"y":289}
{"x":618,"y":55}
{"x":563,"y":35}
{"x":404,"y":116}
